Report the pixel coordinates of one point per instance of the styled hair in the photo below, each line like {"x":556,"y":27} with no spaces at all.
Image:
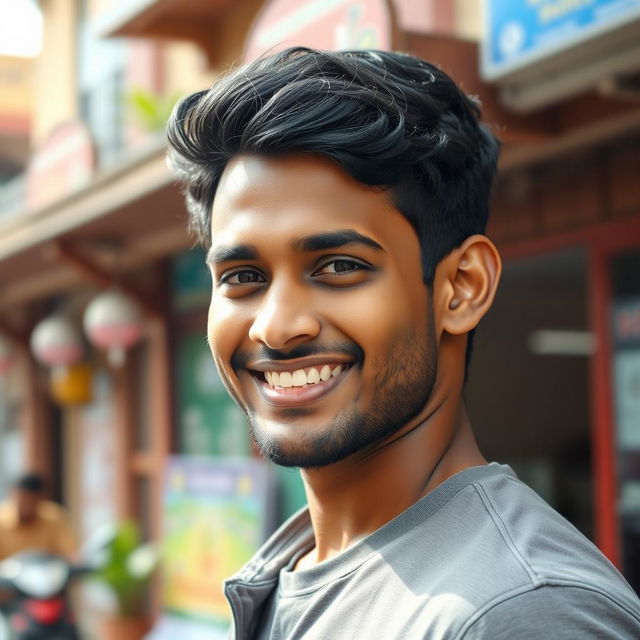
{"x":30,"y":482}
{"x":390,"y":120}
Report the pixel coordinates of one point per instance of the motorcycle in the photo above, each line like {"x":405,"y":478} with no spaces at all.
{"x":33,"y":597}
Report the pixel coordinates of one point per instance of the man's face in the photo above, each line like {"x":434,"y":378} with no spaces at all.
{"x":26,"y":504}
{"x":320,"y":324}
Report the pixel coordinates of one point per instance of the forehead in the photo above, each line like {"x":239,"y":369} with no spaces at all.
{"x":295,"y":196}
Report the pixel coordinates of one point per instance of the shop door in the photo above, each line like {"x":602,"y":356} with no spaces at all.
{"x":528,"y":389}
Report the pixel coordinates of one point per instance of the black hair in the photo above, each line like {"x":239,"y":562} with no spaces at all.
{"x":30,"y":482}
{"x":390,"y":120}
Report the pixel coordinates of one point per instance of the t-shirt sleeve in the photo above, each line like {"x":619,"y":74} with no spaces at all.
{"x":558,"y":613}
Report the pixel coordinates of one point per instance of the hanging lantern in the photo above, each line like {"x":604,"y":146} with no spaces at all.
{"x":113,"y":322}
{"x":73,"y":387}
{"x":56,"y":342}
{"x":6,"y":356}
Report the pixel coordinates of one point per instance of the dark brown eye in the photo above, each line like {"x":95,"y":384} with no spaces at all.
{"x":340,"y":266}
{"x":245,"y":276}
{"x":345,"y":265}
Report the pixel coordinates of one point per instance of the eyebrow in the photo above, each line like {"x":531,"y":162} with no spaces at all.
{"x":216,"y":255}
{"x":316,"y":242}
{"x":334,"y":240}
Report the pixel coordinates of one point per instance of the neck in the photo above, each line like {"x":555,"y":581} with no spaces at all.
{"x":356,"y":496}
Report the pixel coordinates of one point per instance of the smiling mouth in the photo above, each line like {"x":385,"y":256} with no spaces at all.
{"x":302,"y":377}
{"x":286,"y":385}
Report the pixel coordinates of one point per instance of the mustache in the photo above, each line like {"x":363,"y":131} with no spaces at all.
{"x":239,"y":359}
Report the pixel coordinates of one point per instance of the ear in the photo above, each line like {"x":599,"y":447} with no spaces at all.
{"x":466,"y":282}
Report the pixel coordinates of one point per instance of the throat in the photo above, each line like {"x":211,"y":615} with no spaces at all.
{"x":353,"y":498}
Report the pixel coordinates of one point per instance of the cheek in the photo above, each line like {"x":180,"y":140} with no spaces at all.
{"x":376,"y":314}
{"x":224,"y":332}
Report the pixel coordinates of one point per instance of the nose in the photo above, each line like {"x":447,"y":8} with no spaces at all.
{"x":284,"y":317}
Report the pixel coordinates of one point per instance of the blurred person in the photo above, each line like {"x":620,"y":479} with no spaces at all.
{"x":30,"y":522}
{"x":343,"y":197}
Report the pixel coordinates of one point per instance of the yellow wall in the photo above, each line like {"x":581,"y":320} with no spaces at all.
{"x":468,"y":19}
{"x":55,"y":82}
{"x":16,"y":85}
{"x":186,"y":68}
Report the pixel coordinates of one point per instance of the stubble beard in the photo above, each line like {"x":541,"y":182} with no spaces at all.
{"x":403,"y":385}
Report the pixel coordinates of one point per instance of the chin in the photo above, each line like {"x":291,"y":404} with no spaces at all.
{"x":301,"y":452}
{"x":314,"y":447}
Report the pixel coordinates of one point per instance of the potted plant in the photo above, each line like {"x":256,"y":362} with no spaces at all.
{"x":124,"y":565}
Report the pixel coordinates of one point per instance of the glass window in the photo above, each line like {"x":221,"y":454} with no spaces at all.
{"x":626,"y":394}
{"x":528,"y":389}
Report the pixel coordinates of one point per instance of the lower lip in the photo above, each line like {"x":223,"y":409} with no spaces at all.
{"x":299,"y":396}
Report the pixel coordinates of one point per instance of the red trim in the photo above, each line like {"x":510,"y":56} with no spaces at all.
{"x":610,"y":236}
{"x":602,"y":420}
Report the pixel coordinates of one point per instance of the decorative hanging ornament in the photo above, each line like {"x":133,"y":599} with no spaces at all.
{"x":113,"y":321}
{"x":6,"y":355}
{"x":56,"y":342}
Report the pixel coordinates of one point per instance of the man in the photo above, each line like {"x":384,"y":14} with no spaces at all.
{"x":29,"y":522}
{"x":344,"y":198}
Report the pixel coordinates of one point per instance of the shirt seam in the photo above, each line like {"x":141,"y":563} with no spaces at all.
{"x":506,"y":536}
{"x":299,"y":593}
{"x":256,"y":566}
{"x":552,"y":584}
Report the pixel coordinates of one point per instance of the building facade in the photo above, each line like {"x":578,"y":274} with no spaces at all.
{"x":557,"y":376}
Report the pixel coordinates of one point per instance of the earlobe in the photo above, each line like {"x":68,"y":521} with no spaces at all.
{"x":471,"y":273}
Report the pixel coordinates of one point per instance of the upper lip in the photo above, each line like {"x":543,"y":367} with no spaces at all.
{"x":298,"y":363}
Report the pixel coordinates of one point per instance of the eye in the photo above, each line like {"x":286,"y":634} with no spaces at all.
{"x":242,"y":276}
{"x":341,"y":266}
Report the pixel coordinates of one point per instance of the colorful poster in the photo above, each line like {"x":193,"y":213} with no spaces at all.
{"x":216,"y":513}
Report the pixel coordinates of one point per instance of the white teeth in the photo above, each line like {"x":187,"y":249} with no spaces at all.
{"x":299,"y":378}
{"x":286,"y":379}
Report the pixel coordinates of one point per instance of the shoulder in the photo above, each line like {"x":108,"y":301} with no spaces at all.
{"x":495,"y":538}
{"x":7,"y":513}
{"x":550,"y":548}
{"x":571,"y":590}
{"x":51,"y":511}
{"x":561,"y":612}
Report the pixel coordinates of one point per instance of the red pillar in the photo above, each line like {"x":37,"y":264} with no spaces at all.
{"x":602,"y":421}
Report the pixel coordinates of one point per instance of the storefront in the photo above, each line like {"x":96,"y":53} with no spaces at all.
{"x":554,"y":385}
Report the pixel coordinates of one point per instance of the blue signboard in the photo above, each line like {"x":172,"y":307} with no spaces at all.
{"x":520,"y":32}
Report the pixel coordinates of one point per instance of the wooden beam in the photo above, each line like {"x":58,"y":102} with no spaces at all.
{"x":91,"y":272}
{"x":20,"y":339}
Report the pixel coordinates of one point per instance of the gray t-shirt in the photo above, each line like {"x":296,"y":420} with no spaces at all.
{"x":480,"y":557}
